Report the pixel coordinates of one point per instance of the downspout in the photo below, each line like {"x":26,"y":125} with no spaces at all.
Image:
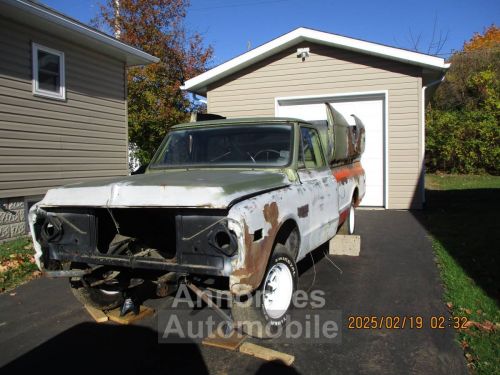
{"x":422,"y":135}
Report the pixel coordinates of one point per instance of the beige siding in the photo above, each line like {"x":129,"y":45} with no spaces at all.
{"x":252,"y":92}
{"x":46,"y":142}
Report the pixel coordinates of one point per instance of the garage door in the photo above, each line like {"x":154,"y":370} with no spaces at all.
{"x":370,"y":109}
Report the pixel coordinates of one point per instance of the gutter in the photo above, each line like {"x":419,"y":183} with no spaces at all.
{"x":199,"y":83}
{"x":52,"y":16}
{"x":422,"y":132}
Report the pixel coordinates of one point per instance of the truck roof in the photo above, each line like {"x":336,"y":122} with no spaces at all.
{"x":240,"y":121}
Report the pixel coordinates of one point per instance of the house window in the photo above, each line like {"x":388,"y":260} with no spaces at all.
{"x":48,"y":72}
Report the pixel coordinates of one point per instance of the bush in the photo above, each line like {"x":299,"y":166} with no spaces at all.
{"x":463,"y":135}
{"x":462,"y":141}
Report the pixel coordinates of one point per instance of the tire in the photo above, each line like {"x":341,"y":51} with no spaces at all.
{"x":98,"y":298}
{"x":265,"y":313}
{"x":103,"y":297}
{"x":349,"y":225}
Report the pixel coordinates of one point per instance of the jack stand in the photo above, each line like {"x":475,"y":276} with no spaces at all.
{"x":129,"y":305}
{"x":230,"y":339}
{"x":229,"y":326}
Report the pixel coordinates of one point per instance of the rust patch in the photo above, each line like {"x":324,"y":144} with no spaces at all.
{"x":271,"y":213}
{"x":248,"y":277}
{"x":303,"y":211}
{"x":345,"y":172}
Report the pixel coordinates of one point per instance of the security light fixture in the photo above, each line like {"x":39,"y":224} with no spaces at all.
{"x":302,"y":53}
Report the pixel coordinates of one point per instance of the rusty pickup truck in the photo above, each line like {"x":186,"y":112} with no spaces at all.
{"x":238,"y":199}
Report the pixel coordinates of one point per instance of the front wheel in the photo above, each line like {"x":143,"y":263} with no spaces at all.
{"x":265,"y":312}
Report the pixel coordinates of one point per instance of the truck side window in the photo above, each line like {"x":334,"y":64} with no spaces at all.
{"x":310,"y":149}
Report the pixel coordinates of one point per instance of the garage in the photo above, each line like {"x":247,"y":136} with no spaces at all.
{"x":386,"y":87}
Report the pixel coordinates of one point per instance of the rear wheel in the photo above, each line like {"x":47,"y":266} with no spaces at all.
{"x":349,"y":225}
{"x":265,"y":313}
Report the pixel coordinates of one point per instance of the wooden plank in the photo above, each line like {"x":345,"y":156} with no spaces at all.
{"x":98,"y":315}
{"x":266,"y":353}
{"x":114,"y":315}
{"x":230,"y":342}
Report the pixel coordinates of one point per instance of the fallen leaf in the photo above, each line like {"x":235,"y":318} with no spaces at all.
{"x":12,"y":294}
{"x":486,"y":326}
{"x":468,"y":311}
{"x":469,"y":323}
{"x":449,"y":305}
{"x":469,"y":357}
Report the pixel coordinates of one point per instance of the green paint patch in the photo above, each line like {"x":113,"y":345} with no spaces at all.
{"x":17,"y":263}
{"x":462,"y":217}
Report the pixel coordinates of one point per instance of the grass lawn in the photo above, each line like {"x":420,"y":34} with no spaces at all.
{"x":462,"y":215}
{"x":17,"y":264}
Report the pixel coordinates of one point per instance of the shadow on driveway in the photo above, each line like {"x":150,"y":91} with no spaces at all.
{"x":466,"y":223}
{"x":92,"y":348}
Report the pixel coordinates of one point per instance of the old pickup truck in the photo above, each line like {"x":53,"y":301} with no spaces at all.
{"x":238,"y":199}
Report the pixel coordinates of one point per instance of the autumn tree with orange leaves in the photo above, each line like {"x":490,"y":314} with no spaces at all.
{"x":489,"y":39}
{"x":155,"y":101}
{"x":463,"y":132}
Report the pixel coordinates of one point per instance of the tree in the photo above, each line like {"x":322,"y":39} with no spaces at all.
{"x":463,"y":133}
{"x":155,"y":101}
{"x":489,"y":39}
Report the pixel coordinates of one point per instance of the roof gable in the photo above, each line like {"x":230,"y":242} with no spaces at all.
{"x":200,"y":83}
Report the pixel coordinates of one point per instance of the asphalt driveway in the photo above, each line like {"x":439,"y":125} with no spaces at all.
{"x":43,"y":328}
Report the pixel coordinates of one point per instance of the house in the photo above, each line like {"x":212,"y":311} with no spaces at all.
{"x":63,"y":106}
{"x":386,"y":87}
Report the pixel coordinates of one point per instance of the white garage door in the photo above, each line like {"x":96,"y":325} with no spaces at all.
{"x":370,"y":110}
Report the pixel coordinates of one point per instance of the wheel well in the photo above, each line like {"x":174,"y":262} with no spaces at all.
{"x":286,"y":229}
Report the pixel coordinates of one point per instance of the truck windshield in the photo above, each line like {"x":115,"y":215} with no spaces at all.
{"x":257,"y":145}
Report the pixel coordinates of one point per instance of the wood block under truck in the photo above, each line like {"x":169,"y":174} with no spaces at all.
{"x":239,"y":200}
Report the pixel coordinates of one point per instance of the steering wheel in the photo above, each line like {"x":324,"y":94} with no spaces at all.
{"x":267,"y":153}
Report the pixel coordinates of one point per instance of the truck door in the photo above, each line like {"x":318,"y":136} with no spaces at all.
{"x":318,"y":182}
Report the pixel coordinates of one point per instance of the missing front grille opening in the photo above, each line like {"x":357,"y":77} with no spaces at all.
{"x":257,"y":235}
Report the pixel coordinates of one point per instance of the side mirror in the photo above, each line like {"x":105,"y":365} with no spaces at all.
{"x":141,"y":169}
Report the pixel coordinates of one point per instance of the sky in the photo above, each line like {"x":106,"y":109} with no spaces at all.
{"x":234,"y":26}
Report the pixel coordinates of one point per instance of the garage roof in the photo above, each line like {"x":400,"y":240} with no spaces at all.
{"x":199,"y":83}
{"x":51,"y":21}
